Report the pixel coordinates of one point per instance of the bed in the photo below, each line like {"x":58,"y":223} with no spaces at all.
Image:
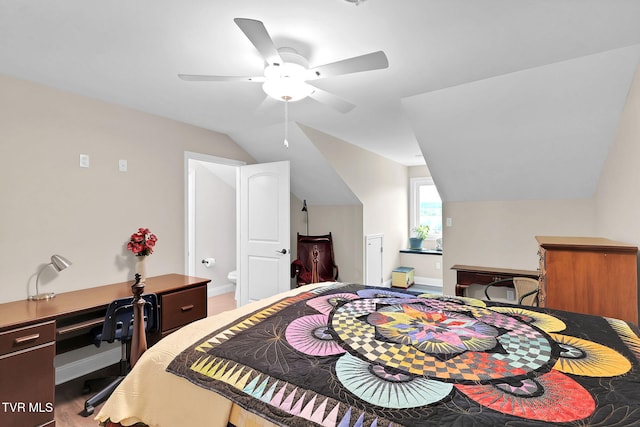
{"x":338,"y":354}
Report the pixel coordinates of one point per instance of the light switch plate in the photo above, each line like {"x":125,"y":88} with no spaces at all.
{"x":122,"y":165}
{"x":84,"y":160}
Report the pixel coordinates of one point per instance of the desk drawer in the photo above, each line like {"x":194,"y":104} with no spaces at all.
{"x":183,"y":307}
{"x":27,"y":337}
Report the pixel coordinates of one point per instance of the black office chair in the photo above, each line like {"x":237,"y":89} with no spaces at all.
{"x":118,"y":326}
{"x":526,"y":289}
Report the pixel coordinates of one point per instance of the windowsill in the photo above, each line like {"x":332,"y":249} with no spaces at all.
{"x":421,"y":251}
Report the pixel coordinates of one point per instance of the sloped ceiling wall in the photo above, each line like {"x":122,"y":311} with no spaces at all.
{"x":541,"y":133}
{"x":313,"y":178}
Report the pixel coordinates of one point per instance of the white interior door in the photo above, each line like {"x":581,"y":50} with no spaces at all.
{"x":373,"y":253}
{"x":263,"y":227}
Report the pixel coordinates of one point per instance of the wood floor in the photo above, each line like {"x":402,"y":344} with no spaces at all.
{"x":70,"y":399}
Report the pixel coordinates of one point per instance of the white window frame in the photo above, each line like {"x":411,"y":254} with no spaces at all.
{"x":414,"y":207}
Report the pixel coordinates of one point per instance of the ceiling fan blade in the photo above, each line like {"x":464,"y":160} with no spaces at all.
{"x":204,"y":78}
{"x":367,"y":62}
{"x":258,"y":35}
{"x":331,"y":100}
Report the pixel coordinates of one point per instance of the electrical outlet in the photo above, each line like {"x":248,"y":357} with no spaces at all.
{"x":122,"y":165}
{"x":511,"y":295}
{"x":438,"y":265}
{"x":84,"y":160}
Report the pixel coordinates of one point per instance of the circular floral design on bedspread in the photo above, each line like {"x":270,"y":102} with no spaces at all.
{"x":432,"y":331}
{"x":310,"y":335}
{"x":377,"y":385}
{"x":326,"y":303}
{"x":441,"y":340}
{"x":538,"y":398}
{"x":589,"y":359}
{"x":540,"y":320}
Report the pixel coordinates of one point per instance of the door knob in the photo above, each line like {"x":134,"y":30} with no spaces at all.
{"x":282,"y":251}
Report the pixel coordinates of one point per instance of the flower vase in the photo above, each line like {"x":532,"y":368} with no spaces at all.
{"x":141,"y":267}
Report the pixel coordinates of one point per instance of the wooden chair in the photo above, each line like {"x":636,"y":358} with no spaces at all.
{"x":315,"y":262}
{"x":526,"y":289}
{"x":127,"y":320}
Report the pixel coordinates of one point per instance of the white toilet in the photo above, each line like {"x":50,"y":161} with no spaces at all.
{"x":233,"y":276}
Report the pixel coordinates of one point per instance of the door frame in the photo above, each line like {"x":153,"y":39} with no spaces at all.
{"x":189,"y":197}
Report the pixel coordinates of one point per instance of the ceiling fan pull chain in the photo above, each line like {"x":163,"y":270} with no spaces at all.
{"x":286,"y":120}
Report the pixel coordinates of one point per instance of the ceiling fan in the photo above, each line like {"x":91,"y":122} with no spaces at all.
{"x":286,"y":73}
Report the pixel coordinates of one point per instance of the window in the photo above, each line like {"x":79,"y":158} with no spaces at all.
{"x":425,"y":206}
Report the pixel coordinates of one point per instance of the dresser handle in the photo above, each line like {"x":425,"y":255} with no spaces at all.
{"x":186,"y":307}
{"x":26,"y":339}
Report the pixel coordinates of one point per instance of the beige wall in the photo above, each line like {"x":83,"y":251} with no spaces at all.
{"x":426,"y":266}
{"x":618,"y":197}
{"x":502,"y":234}
{"x":345,"y":225}
{"x":50,"y":205}
{"x":380,"y":184}
{"x":418,"y":171}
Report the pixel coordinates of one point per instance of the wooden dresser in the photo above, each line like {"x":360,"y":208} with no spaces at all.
{"x":589,"y":275}
{"x":33,"y":332}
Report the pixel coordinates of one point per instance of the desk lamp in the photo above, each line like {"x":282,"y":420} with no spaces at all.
{"x":304,"y":209}
{"x":59,"y":263}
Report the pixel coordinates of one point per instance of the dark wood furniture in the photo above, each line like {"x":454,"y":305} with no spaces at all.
{"x":316,"y":261}
{"x":33,"y":332}
{"x":590,"y":275}
{"x":467,"y":275}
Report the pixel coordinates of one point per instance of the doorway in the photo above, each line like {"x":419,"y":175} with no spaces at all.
{"x":210,"y":217}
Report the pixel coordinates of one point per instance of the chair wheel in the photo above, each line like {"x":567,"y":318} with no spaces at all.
{"x":88,"y":410}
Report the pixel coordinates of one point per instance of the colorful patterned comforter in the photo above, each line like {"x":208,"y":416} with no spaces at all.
{"x":349,"y":355}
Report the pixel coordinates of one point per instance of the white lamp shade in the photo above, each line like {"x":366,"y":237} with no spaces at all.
{"x":59,"y":262}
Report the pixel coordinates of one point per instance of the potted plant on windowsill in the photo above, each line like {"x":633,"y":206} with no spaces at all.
{"x":421,"y":232}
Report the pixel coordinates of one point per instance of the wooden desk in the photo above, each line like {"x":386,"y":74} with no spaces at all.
{"x":468,"y":275}
{"x":33,"y":332}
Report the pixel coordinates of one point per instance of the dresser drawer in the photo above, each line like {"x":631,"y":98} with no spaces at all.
{"x":183,"y":307}
{"x":27,"y":337}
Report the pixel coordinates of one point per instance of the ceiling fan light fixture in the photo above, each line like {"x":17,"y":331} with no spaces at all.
{"x":357,"y":2}
{"x":286,"y":82}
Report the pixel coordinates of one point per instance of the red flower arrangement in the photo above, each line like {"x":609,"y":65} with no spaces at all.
{"x":142,"y":242}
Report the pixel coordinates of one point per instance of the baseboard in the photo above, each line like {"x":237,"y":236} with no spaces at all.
{"x":87,"y":365}
{"x":215,"y":290}
{"x":429,"y":281}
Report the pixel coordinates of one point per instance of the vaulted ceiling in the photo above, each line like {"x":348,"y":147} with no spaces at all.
{"x":504,"y":99}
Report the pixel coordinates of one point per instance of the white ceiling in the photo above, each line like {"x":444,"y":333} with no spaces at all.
{"x":506,"y":99}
